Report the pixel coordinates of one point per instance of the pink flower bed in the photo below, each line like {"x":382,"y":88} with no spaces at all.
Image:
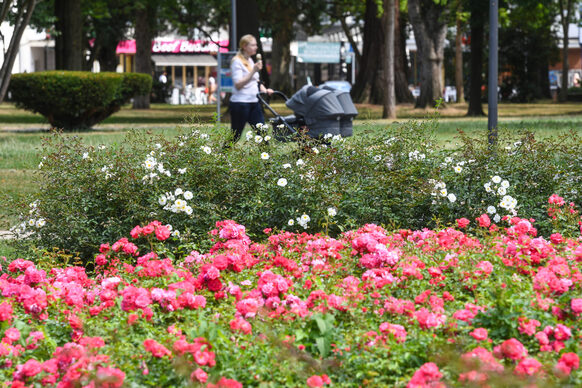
{"x":409,"y":308}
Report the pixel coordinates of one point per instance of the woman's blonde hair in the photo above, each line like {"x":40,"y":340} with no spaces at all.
{"x":244,"y":41}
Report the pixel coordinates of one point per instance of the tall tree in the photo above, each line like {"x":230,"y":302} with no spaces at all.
{"x":389,"y":100}
{"x":477,"y":19}
{"x":145,"y":16}
{"x":428,"y":19}
{"x":107,"y":23}
{"x":248,"y":22}
{"x":401,"y":68}
{"x":459,"y":85}
{"x":527,"y":45}
{"x":69,"y":38}
{"x":366,"y":88}
{"x":566,"y":13}
{"x":369,"y":15}
{"x":281,"y":19}
{"x":21,"y":14}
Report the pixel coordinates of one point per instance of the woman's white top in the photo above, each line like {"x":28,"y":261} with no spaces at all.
{"x":248,"y":93}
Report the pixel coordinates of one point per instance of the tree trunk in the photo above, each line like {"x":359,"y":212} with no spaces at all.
{"x":403,"y":94}
{"x":476,"y":76}
{"x":565,"y":14}
{"x":143,"y":52}
{"x":107,"y":57}
{"x":69,"y":42}
{"x":280,"y":60}
{"x":389,"y":110}
{"x":20,"y":23}
{"x":367,"y":88}
{"x":459,"y":59}
{"x":427,"y":19}
{"x":247,"y":22}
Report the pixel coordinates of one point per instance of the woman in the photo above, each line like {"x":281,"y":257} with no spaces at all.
{"x":244,"y":104}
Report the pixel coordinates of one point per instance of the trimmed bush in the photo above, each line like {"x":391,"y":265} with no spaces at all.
{"x":73,"y":100}
{"x":400,"y":180}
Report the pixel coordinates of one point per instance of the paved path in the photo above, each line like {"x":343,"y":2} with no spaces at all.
{"x":25,"y":128}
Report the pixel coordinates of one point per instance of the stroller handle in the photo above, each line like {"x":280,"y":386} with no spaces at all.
{"x":266,"y":104}
{"x":289,"y":128}
{"x":275,"y":92}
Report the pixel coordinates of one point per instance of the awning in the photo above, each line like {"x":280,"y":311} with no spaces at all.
{"x":184,"y":60}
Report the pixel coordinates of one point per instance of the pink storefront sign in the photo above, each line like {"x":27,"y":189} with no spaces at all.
{"x":176,"y":46}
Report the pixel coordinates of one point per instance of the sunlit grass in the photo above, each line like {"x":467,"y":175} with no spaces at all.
{"x":176,"y":114}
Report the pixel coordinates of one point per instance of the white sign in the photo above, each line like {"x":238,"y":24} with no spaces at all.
{"x":318,"y":52}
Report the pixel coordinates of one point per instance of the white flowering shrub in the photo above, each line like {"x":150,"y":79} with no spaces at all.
{"x":399,"y":179}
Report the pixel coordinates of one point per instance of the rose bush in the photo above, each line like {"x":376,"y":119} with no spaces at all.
{"x":416,"y":308}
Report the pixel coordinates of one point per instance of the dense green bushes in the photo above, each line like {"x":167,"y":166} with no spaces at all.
{"x":401,"y":179}
{"x":76,"y":100}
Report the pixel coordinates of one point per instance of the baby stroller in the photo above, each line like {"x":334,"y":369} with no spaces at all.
{"x":317,"y":112}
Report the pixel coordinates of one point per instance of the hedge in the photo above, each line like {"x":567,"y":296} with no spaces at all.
{"x":72,"y":100}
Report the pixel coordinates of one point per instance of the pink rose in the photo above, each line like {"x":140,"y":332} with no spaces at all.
{"x":484,"y":220}
{"x":11,"y":335}
{"x":556,"y":238}
{"x":199,"y":375}
{"x":463,"y":222}
{"x":571,"y":360}
{"x":31,"y":368}
{"x":480,"y":334}
{"x":135,"y":232}
{"x":576,"y":305}
{"x":513,"y":349}
{"x":527,"y":367}
{"x":100,"y":260}
{"x":162,"y":232}
{"x":315,"y":381}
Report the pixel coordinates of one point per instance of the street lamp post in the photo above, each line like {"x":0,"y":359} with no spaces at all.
{"x":233,"y":25}
{"x":493,"y":70}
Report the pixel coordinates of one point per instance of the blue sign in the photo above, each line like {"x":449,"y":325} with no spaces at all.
{"x":225,"y":83}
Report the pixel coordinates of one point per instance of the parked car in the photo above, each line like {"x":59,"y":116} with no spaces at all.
{"x":344,"y":86}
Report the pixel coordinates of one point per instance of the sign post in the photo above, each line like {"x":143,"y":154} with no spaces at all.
{"x":224,"y":76}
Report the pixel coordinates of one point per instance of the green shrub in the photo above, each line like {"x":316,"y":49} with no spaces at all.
{"x":400,"y":180}
{"x":76,"y":100}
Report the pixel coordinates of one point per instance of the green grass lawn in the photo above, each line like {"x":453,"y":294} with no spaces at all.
{"x":19,"y":148}
{"x":176,"y":114}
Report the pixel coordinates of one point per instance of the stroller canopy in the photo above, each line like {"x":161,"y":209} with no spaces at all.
{"x":345,"y":100}
{"x":320,"y":109}
{"x":313,"y":103}
{"x":349,"y":110}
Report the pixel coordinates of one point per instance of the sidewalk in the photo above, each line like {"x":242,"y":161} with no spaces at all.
{"x":32,"y":128}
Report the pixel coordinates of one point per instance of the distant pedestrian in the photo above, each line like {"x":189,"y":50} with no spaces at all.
{"x":211,"y":89}
{"x":163,"y":78}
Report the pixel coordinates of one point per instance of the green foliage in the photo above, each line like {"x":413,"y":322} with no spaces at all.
{"x":526,"y":45}
{"x":400,"y":179}
{"x":76,"y":100}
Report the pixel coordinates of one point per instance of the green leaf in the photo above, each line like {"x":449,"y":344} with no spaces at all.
{"x":300,"y":335}
{"x":321,"y":325}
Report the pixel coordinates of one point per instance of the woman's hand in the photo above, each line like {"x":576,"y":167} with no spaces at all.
{"x":269,"y":91}
{"x":258,"y":66}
